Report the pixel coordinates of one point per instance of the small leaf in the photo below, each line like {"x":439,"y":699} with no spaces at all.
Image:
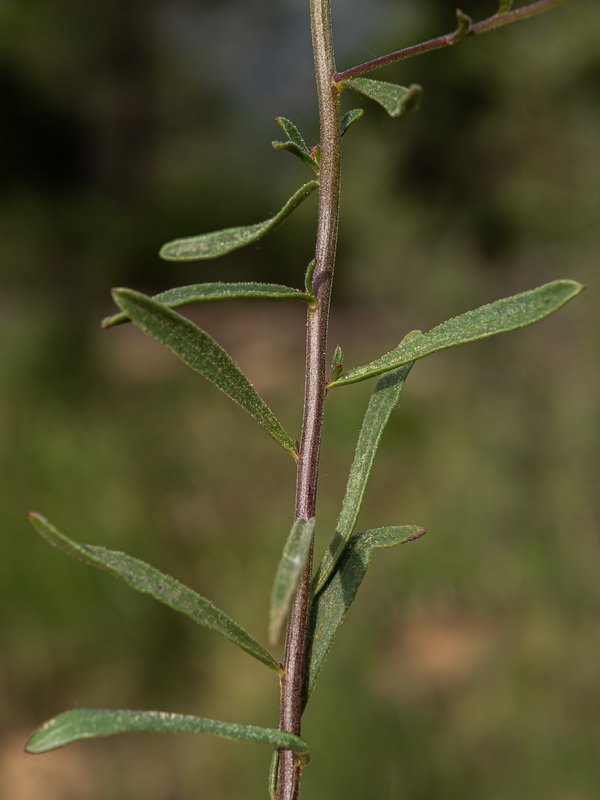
{"x":208,"y":292}
{"x":90,"y":723}
{"x":197,"y":349}
{"x":293,"y":560}
{"x":308,"y":279}
{"x":504,"y":6}
{"x":148,"y":580}
{"x":464,"y":26}
{"x":292,"y":132}
{"x":397,"y":100}
{"x":337,"y":365}
{"x":292,"y":147}
{"x":274,"y":775}
{"x":329,"y":607}
{"x":218,"y":243}
{"x":349,"y":118}
{"x":383,"y":401}
{"x":499,"y":317}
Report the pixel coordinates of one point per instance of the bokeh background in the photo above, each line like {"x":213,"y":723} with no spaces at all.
{"x":470,"y":666}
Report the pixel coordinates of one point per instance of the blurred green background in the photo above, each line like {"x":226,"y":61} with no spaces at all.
{"x":469,"y":667}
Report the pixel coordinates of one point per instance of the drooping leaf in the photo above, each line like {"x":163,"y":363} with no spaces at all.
{"x":349,"y":118}
{"x":197,"y":349}
{"x":330,"y":605}
{"x":91,"y":723}
{"x":148,"y":580}
{"x":209,"y":292}
{"x":218,"y":243}
{"x":499,"y":317}
{"x":292,"y":563}
{"x":397,"y":100}
{"x":383,"y":401}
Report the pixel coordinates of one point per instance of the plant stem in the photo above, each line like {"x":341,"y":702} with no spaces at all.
{"x":490,"y":24}
{"x":315,"y":382}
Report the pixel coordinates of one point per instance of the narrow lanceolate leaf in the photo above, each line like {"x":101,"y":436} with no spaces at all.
{"x":218,"y":243}
{"x":90,"y":723}
{"x":349,"y":118}
{"x":144,"y":578}
{"x":197,"y":349}
{"x":489,"y":320}
{"x":209,"y":292}
{"x":293,"y":560}
{"x":329,"y":607}
{"x":397,"y":100}
{"x":383,"y":401}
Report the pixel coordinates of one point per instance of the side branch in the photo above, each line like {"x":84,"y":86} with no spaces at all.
{"x":491,"y":23}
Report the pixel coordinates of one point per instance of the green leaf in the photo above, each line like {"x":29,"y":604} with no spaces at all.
{"x":337,"y":363}
{"x":504,"y":6}
{"x":218,"y":243}
{"x":90,"y":723}
{"x":308,"y":277}
{"x":329,"y":607}
{"x":148,"y":580}
{"x":499,"y":317}
{"x":397,"y":100}
{"x":464,"y":26}
{"x":295,"y":144}
{"x":293,"y":560}
{"x":274,"y":775}
{"x":197,"y":349}
{"x":292,"y":132}
{"x":209,"y":292}
{"x":349,"y":118}
{"x":383,"y":401}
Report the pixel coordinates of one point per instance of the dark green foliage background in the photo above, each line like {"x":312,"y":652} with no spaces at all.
{"x":469,"y":667}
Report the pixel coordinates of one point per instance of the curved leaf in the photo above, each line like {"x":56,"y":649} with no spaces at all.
{"x":397,"y":100}
{"x":499,"y":317}
{"x":293,"y":560}
{"x":218,"y":243}
{"x":148,"y":580}
{"x":383,"y":400}
{"x":329,"y":607}
{"x":90,"y":723}
{"x":209,"y":292}
{"x":295,"y":144}
{"x":200,"y":351}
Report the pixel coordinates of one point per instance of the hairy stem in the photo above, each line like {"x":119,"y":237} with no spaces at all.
{"x":490,"y":24}
{"x":315,"y":382}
